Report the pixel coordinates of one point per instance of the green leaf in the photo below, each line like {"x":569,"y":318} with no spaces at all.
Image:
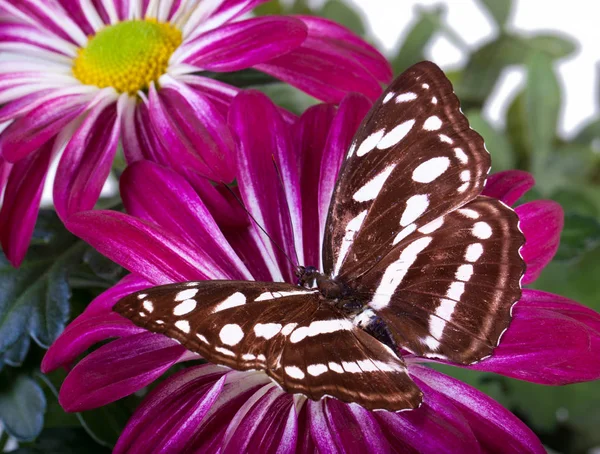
{"x":484,"y":67}
{"x":554,"y":46}
{"x":63,"y":440}
{"x":542,"y":104}
{"x":516,"y":132}
{"x":16,"y":353}
{"x":102,"y":266}
{"x":487,"y":63}
{"x":498,"y":9}
{"x":342,"y":13}
{"x":421,"y":33}
{"x":35,"y":297}
{"x":269,"y":8}
{"x":590,"y":133}
{"x":242,"y":79}
{"x":496,"y":142}
{"x":22,"y":407}
{"x":580,"y":234}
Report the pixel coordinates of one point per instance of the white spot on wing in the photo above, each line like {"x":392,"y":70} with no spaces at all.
{"x":465,"y":175}
{"x":267,"y":296}
{"x":415,"y":207}
{"x":433,"y":123}
{"x":432,"y":226}
{"x":320,"y":327}
{"x":372,"y":188}
{"x":473,"y":252}
{"x":351,"y":366}
{"x":431,"y":169}
{"x":185,"y":307}
{"x":468,"y":212}
{"x":388,"y":96}
{"x":336,"y":367}
{"x":183,"y":325}
{"x":148,"y":306}
{"x":267,"y":330}
{"x":202,"y":338}
{"x":404,"y":233}
{"x":395,"y":135}
{"x":464,"y":272}
{"x":299,"y":334}
{"x":236,"y":299}
{"x":351,"y":229}
{"x":317,"y":369}
{"x":141,"y":296}
{"x":404,"y":97}
{"x":455,"y":290}
{"x":231,"y":334}
{"x":224,"y":351}
{"x":425,"y":86}
{"x":248,"y":357}
{"x":395,"y":272}
{"x":294,"y":372}
{"x":445,"y":138}
{"x":369,"y":143}
{"x":461,"y":155}
{"x":351,"y":150}
{"x":287,"y":329}
{"x":186,"y":294}
{"x":482,"y":230}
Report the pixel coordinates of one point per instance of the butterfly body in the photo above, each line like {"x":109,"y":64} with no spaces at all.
{"x":415,"y":261}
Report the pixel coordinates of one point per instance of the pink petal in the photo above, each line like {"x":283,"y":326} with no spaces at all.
{"x":239,"y":387}
{"x":169,"y":417}
{"x":496,"y":429}
{"x":203,"y":125}
{"x":310,"y":136}
{"x":541,"y":222}
{"x":21,"y":203}
{"x":219,"y":15}
{"x":267,"y":419}
{"x":163,"y":197}
{"x":226,"y":210}
{"x":243,"y":44}
{"x":350,"y":114}
{"x":14,"y":32}
{"x":509,"y":185}
{"x":262,"y":136}
{"x":87,"y":160}
{"x":118,"y":369}
{"x":323,"y":74}
{"x":218,"y":92}
{"x":85,"y":331}
{"x":437,"y":426}
{"x":28,"y":133}
{"x":551,"y":340}
{"x":143,"y":248}
{"x":192,"y":131}
{"x":339,"y":427}
{"x":338,"y":39}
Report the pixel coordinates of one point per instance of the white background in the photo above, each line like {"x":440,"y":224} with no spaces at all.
{"x":390,"y":20}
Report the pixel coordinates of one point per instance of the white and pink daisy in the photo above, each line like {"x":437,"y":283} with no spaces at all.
{"x":84,"y":76}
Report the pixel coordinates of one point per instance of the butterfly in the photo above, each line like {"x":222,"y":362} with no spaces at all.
{"x":415,"y":261}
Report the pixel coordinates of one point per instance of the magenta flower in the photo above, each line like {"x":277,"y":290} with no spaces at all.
{"x":86,"y":76}
{"x":170,"y":235}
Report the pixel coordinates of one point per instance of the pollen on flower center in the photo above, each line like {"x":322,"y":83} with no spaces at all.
{"x":127,"y":56}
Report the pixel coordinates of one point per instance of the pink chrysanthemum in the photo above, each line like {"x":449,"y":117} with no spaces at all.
{"x":170,"y":235}
{"x":88,"y":75}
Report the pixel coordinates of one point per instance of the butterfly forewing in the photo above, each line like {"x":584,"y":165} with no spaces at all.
{"x":413,"y":159}
{"x":447,"y":290}
{"x":305,"y":346}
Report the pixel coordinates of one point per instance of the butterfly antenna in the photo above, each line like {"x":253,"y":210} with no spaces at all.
{"x":232,"y":192}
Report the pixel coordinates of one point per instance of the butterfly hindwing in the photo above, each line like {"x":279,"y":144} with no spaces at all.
{"x":413,"y":159}
{"x":447,"y":290}
{"x":305,"y":346}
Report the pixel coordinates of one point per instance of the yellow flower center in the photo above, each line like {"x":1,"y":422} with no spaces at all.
{"x":127,"y":56}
